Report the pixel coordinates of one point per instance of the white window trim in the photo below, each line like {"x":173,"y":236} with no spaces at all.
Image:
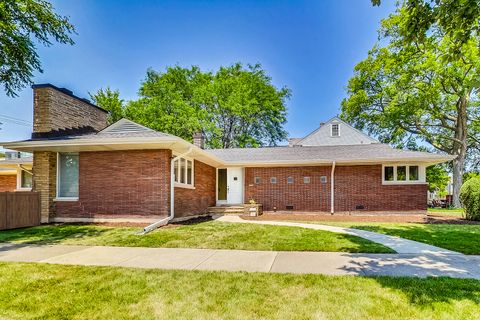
{"x":331,"y":130}
{"x":19,"y":180}
{"x":421,"y":174}
{"x":185,"y":185}
{"x":57,"y":197}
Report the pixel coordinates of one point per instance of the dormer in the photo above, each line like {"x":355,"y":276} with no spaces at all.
{"x":334,"y":132}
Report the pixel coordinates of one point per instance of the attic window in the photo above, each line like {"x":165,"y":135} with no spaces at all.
{"x":335,"y":130}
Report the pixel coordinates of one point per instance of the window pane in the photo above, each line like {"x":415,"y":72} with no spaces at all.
{"x":273,"y":180}
{"x":189,"y":172}
{"x":401,"y":173}
{"x":413,"y":173}
{"x":306,"y":179}
{"x":182,"y":170}
{"x":68,"y":175}
{"x":175,"y":170}
{"x":388,"y":173}
{"x":290,"y":180}
{"x":257,"y":180}
{"x":26,"y":179}
{"x":335,"y":131}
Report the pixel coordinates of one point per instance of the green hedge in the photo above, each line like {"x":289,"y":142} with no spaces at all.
{"x":470,"y":198}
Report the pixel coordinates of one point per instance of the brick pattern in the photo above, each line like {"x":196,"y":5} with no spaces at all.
{"x":354,"y":186}
{"x":313,"y":196}
{"x":54,"y":110}
{"x":196,"y":201}
{"x":362,"y":186}
{"x":133,"y":182}
{"x":8,"y":182}
{"x":44,"y":181}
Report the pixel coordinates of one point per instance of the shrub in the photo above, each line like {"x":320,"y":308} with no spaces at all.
{"x":470,"y":198}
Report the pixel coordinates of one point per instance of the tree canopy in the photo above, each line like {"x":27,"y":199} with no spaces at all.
{"x":236,"y":106}
{"x":407,"y":92}
{"x":23,"y":23}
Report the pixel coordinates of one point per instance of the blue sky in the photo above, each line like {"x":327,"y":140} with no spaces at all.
{"x":309,"y":46}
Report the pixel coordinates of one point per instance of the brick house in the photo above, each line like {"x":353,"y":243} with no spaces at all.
{"x":85,"y":170}
{"x":16,"y":172}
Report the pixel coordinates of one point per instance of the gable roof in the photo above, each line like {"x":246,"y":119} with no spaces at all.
{"x":348,"y":135}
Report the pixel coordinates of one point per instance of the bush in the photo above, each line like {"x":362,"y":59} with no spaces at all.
{"x":470,"y":198}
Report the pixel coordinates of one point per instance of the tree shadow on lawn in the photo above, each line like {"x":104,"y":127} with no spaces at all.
{"x":51,"y":234}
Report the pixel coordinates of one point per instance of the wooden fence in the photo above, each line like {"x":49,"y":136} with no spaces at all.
{"x":19,"y":209}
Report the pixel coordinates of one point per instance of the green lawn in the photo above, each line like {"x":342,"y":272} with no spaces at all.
{"x":211,"y":234}
{"x":42,"y":291}
{"x":447,"y":212}
{"x":461,"y":238}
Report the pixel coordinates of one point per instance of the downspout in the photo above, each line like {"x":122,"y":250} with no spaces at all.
{"x":166,"y":220}
{"x":332,"y":189}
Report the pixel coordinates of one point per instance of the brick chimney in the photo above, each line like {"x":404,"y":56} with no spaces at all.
{"x":199,"y":140}
{"x":57,"y":112}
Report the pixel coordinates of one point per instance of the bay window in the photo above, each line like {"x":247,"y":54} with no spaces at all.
{"x":67,"y":175}
{"x":183,"y":172}
{"x":403,"y":173}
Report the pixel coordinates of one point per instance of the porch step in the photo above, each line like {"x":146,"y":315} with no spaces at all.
{"x":226,"y":210}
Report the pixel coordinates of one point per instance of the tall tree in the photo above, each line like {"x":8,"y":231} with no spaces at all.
{"x":234,"y":107}
{"x":22,"y":22}
{"x":415,"y":91}
{"x":110,"y":100}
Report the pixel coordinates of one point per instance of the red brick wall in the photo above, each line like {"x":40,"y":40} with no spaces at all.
{"x":362,"y":185}
{"x":196,"y":201}
{"x":121,"y":182}
{"x":313,"y":196}
{"x":8,"y":182}
{"x":354,"y":185}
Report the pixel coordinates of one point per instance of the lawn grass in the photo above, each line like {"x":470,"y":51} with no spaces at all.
{"x":42,"y":291}
{"x":210,"y":234}
{"x":455,"y":212}
{"x":461,"y":238}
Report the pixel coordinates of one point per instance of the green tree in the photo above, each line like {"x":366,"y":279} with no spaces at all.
{"x":458,"y":19}
{"x":407,"y":92}
{"x":437,"y":178}
{"x":109,"y":100}
{"x":234,"y":107}
{"x":22,"y":22}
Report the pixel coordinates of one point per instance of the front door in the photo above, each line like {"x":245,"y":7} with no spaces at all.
{"x":230,"y":186}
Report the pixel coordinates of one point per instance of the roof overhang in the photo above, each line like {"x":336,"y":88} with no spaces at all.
{"x":177,"y":145}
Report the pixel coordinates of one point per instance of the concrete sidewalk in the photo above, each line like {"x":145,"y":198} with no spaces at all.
{"x":398,"y":244}
{"x":329,"y":263}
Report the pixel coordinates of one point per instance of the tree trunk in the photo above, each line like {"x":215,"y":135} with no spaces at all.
{"x":459,"y":149}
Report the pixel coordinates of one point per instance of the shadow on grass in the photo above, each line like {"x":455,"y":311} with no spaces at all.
{"x":51,"y":234}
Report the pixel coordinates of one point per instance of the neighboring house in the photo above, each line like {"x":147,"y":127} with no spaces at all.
{"x":16,"y":172}
{"x":84,"y":170}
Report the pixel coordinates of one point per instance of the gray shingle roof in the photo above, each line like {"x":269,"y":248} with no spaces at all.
{"x":367,"y":152}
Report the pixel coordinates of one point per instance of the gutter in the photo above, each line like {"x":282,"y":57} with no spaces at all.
{"x":332,"y":189}
{"x":166,"y":220}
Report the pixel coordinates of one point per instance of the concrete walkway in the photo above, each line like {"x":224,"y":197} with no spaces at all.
{"x":398,"y":244}
{"x":329,"y":263}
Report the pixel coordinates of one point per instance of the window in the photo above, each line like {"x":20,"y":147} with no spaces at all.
{"x":335,"y":130}
{"x":67,"y":171}
{"x":183,"y":172}
{"x":257,"y":180}
{"x":25,"y":180}
{"x":413,"y":173}
{"x":401,"y":173}
{"x":323,"y":179}
{"x":306,"y":179}
{"x":388,"y":176}
{"x":273,"y":180}
{"x":290,"y":180}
